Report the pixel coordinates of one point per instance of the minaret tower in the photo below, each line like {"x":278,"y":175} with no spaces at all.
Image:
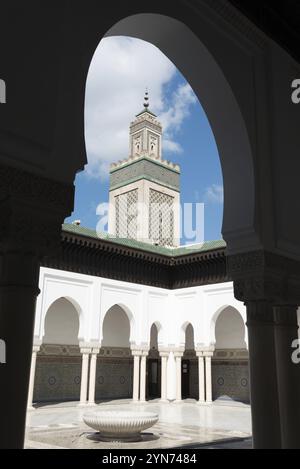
{"x":144,"y":188}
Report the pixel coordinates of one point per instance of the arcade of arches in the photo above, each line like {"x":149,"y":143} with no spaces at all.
{"x":64,"y":368}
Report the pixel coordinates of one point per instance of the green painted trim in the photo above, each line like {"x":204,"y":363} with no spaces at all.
{"x":139,"y":178}
{"x":170,"y":252}
{"x":145,"y":158}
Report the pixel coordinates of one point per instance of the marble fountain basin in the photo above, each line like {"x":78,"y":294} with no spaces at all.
{"x":123,"y":426}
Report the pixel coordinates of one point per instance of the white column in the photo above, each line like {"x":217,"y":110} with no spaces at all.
{"x":201,"y":375}
{"x":178,"y":356}
{"x":143,"y":377}
{"x":288,"y":375}
{"x":35,"y":349}
{"x":136,"y":374}
{"x":164,"y":365}
{"x":208,"y":353}
{"x":263,"y":376}
{"x":84,"y":375}
{"x":93,"y":370}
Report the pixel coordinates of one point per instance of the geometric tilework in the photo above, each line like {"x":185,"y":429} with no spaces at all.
{"x":126,"y":215}
{"x":57,"y":379}
{"x":231,"y":379}
{"x":161,"y":222}
{"x":114,"y":378}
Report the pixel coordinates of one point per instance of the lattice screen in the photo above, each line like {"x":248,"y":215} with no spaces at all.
{"x":126,"y":215}
{"x":161,"y":221}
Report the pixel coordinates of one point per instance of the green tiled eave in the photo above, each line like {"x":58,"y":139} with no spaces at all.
{"x":132,"y":243}
{"x":139,"y":178}
{"x":114,"y":170}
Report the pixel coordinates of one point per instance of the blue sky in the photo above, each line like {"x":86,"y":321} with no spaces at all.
{"x":119,"y":73}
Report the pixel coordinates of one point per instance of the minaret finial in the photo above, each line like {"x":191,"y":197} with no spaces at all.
{"x":146,"y":100}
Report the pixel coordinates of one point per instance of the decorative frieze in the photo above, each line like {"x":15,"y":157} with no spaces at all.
{"x":59,"y":350}
{"x":114,"y":352}
{"x":230,"y":355}
{"x":140,"y":123}
{"x":262,"y":275}
{"x":134,"y":169}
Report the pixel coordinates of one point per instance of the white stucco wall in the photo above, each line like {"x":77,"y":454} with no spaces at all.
{"x":131,"y":310}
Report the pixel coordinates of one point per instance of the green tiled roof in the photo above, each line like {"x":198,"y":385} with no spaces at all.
{"x":146,"y":110}
{"x":171,"y":252}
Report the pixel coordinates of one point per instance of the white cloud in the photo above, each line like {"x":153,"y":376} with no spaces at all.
{"x":119,"y":73}
{"x":171,"y":146}
{"x":214,"y":194}
{"x":173,"y":117}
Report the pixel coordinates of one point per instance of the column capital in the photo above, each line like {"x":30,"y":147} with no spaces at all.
{"x":85,"y":350}
{"x":140,"y":350}
{"x":95,"y":347}
{"x":164,"y":352}
{"x":205,"y":351}
{"x":208,"y":354}
{"x":178,"y":353}
{"x":265,"y":276}
{"x":136,"y":352}
{"x":89,"y":346}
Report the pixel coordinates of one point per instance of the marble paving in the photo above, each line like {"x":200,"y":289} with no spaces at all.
{"x":185,"y":425}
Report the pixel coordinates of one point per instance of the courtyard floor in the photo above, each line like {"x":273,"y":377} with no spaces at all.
{"x":224,"y":424}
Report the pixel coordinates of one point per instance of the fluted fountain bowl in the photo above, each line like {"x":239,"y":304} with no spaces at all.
{"x":120,"y":425}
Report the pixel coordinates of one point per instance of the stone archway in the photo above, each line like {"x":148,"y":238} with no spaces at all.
{"x":114,"y":376}
{"x":58,"y":367}
{"x":230,"y":374}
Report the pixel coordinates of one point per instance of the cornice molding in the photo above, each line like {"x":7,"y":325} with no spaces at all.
{"x":104,"y":258}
